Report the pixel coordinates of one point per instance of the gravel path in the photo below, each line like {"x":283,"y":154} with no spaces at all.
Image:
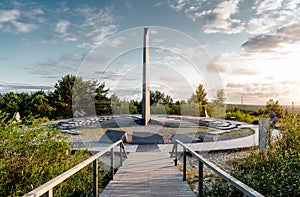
{"x":219,"y":158}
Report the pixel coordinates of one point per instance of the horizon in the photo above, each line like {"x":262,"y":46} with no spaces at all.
{"x":246,"y":48}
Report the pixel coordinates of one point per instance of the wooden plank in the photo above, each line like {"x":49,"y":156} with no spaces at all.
{"x":148,"y":174}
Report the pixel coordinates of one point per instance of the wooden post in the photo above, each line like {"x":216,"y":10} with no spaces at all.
{"x":184,"y":164}
{"x":121,"y":159}
{"x":175,"y":153}
{"x":95,"y":178}
{"x":200,"y":178}
{"x":112,"y":163}
{"x":49,"y":193}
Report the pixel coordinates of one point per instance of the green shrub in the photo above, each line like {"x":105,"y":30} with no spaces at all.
{"x":31,"y":155}
{"x":216,"y":186}
{"x":274,"y":171}
{"x":240,"y":116}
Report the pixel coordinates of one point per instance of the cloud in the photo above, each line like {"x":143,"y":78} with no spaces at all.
{"x":9,"y":15}
{"x":258,"y":93}
{"x":270,"y":14}
{"x":233,"y":64}
{"x":225,"y":16}
{"x":219,"y":19}
{"x":94,"y":26}
{"x":267,"y":5}
{"x":23,"y":27}
{"x":62,"y":26}
{"x":21,"y":18}
{"x":259,"y":25}
{"x":20,"y":87}
{"x":286,"y":35}
{"x":56,"y":68}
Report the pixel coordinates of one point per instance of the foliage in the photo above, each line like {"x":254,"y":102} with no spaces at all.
{"x":160,"y":98}
{"x":31,"y":155}
{"x":70,"y":92}
{"x":216,"y":186}
{"x":199,"y":96}
{"x":239,"y":115}
{"x":102,"y":102}
{"x":190,"y":109}
{"x":157,"y":109}
{"x":274,"y":106}
{"x":275,"y":171}
{"x":218,"y":105}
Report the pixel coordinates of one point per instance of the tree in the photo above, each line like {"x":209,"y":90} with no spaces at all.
{"x":61,"y":98}
{"x":132,"y":107}
{"x":218,"y":105}
{"x":72,"y":92}
{"x":83,"y":98}
{"x":102,"y":102}
{"x":158,"y":97}
{"x":274,"y":106}
{"x":40,"y":104}
{"x":199,"y":96}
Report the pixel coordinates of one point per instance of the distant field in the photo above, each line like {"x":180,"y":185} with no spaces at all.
{"x":245,"y":107}
{"x":257,"y":107}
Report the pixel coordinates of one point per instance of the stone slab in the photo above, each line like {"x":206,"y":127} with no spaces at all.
{"x":146,"y":138}
{"x":112,"y":136}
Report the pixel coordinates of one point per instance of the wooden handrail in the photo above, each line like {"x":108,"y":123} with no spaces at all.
{"x":47,"y":187}
{"x":247,"y":191}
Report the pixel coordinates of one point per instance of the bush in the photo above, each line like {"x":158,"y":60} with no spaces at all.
{"x":216,"y":186}
{"x":31,"y":155}
{"x":274,"y":171}
{"x":240,"y":116}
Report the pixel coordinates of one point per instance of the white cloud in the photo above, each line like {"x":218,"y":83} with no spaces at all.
{"x":267,"y":5}
{"x":219,"y":19}
{"x":21,"y":19}
{"x":62,"y":26}
{"x":271,"y":14}
{"x":95,"y":25}
{"x":9,"y":15}
{"x":23,"y":27}
{"x":259,"y":25}
{"x":225,"y":16}
{"x":178,"y":5}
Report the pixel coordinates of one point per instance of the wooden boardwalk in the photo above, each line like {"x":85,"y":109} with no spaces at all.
{"x":148,"y":174}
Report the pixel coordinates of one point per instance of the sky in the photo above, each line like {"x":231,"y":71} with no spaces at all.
{"x":249,"y":48}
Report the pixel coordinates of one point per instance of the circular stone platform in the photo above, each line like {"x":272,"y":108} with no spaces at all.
{"x":160,"y":130}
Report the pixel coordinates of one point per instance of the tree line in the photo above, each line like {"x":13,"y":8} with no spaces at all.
{"x":72,"y":92}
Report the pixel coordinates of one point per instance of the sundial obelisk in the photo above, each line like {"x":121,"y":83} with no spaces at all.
{"x":146,"y":87}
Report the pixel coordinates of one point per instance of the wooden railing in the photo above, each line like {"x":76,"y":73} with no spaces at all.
{"x":247,"y":191}
{"x":47,"y":188}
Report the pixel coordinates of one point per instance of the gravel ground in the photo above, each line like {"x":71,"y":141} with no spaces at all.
{"x":219,"y":158}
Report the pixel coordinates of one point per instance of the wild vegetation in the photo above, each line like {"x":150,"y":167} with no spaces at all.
{"x":31,"y":155}
{"x":274,"y":171}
